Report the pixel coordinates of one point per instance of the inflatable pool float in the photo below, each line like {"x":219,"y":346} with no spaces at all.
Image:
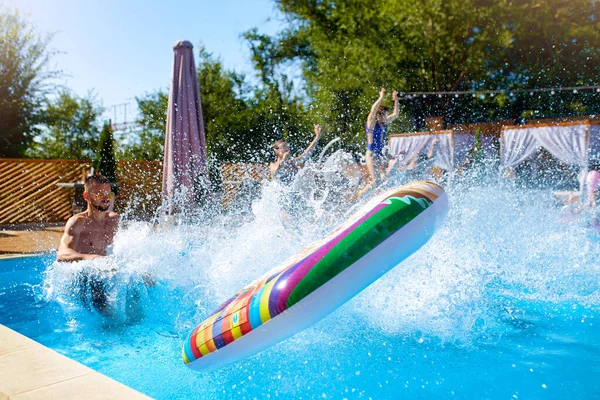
{"x":320,"y":278}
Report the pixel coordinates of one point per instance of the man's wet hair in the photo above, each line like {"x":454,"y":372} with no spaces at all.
{"x":95,"y":180}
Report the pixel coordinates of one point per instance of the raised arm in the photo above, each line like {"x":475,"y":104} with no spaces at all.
{"x":304,"y":156}
{"x":275,"y":165}
{"x":432,"y":147}
{"x":393,"y":115}
{"x":66,"y":252}
{"x":373,"y":114}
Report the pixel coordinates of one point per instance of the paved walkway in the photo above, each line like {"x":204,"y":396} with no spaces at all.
{"x":29,"y":238}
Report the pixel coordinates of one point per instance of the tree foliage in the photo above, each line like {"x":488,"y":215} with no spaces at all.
{"x":240,"y":123}
{"x":24,"y":82}
{"x":349,"y":49}
{"x":150,"y":140}
{"x":105,"y":162}
{"x":70,"y":128}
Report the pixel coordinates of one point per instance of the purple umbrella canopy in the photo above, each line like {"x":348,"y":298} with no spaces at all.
{"x":185,"y":169}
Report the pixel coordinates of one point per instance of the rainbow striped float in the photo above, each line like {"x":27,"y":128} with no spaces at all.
{"x":319,"y":279}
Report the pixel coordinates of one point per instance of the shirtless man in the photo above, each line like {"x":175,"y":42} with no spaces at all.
{"x":88,"y":234}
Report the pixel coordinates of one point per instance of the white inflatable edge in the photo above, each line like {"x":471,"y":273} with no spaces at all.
{"x":334,"y":293}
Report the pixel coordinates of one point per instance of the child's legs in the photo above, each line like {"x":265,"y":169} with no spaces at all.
{"x":371,"y":165}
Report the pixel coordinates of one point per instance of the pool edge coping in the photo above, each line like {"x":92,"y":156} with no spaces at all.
{"x":21,"y":255}
{"x":37,"y":371}
{"x":29,"y":364}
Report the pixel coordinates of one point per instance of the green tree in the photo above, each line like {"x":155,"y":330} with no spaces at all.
{"x":70,"y":128}
{"x":105,"y":163}
{"x":24,"y":81}
{"x":240,"y":123}
{"x":228,"y":130}
{"x":152,"y":117}
{"x":347,"y":50}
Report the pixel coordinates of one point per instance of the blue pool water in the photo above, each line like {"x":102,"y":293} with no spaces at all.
{"x":503,"y":302}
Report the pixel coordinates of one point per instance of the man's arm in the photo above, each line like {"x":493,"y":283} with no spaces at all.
{"x":393,"y":115}
{"x":66,"y":252}
{"x":374,"y":107}
{"x":304,"y":156}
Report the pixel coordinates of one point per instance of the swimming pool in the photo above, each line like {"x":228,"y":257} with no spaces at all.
{"x":502,"y":303}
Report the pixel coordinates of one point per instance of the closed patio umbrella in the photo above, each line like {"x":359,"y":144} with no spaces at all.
{"x":185,"y":169}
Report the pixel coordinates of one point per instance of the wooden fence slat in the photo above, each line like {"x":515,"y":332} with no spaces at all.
{"x":49,"y":183}
{"x":27,"y":184}
{"x":20,"y":181}
{"x":33,"y":208}
{"x":8,"y":169}
{"x":28,"y":191}
{"x":25,"y":172}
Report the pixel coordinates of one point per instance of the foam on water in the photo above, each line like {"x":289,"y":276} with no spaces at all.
{"x":505,"y":265}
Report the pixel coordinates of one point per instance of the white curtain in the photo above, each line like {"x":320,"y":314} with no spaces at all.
{"x":517,"y":145}
{"x":490,"y":152}
{"x":444,"y":152}
{"x":463,"y":146}
{"x":408,"y":147}
{"x":567,"y":143}
{"x":411,"y":146}
{"x":594,"y":151}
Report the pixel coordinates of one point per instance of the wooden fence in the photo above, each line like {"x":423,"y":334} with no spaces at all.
{"x":140,"y":186}
{"x":29,"y":190}
{"x":235,"y":175}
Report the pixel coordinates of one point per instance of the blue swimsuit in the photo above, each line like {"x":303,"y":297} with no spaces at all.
{"x":378,"y":132}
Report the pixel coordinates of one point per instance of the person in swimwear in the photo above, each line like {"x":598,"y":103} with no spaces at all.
{"x":376,"y":129}
{"x":285,"y":167}
{"x":88,"y":234}
{"x":592,"y":184}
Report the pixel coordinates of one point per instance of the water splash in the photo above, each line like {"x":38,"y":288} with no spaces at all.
{"x":497,"y":246}
{"x":510,"y":265}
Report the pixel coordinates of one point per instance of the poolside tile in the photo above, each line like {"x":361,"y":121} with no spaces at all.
{"x":93,"y":386}
{"x":34,"y":367}
{"x":11,"y":341}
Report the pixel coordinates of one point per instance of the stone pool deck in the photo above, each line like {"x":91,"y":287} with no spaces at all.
{"x":29,"y":238}
{"x":29,"y":370}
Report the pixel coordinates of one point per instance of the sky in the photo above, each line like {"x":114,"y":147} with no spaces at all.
{"x":120,"y":49}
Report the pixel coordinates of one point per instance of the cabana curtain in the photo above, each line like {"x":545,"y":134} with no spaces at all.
{"x":567,"y":143}
{"x":451,"y":149}
{"x":444,"y":157}
{"x":594,"y":145}
{"x":517,"y":146}
{"x":571,"y":143}
{"x":409,"y":145}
